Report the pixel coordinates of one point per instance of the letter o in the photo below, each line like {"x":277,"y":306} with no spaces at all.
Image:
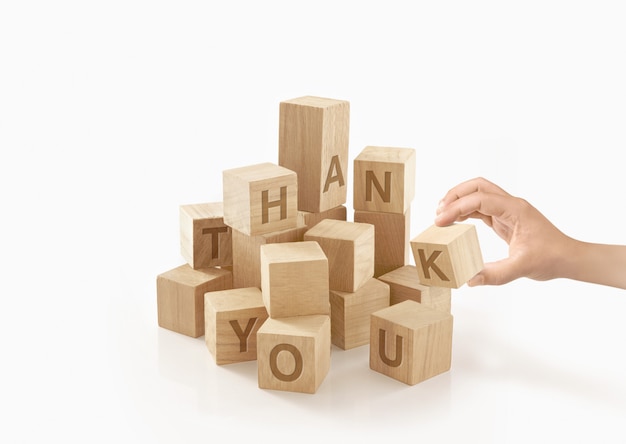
{"x":297,"y":356}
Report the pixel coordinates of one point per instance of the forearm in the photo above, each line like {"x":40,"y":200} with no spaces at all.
{"x":596,"y":263}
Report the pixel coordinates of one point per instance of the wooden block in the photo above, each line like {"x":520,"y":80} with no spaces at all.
{"x":260,"y":198}
{"x":392,"y":237}
{"x":447,"y":256}
{"x":313,"y":142}
{"x":350,"y":313}
{"x":180,"y":297}
{"x":205,"y":240}
{"x":232,"y":319}
{"x":247,"y":253}
{"x":309,"y":219}
{"x":349,"y":247}
{"x":410,"y":342}
{"x":405,"y":285}
{"x":293,"y":354}
{"x":384,"y":179}
{"x":294,"y":279}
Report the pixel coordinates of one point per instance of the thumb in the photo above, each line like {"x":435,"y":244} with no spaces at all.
{"x":495,"y":273}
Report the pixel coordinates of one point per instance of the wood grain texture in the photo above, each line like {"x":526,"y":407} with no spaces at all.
{"x":294,"y":279}
{"x":350,"y":313}
{"x":349,"y":247}
{"x":392,"y":237}
{"x":260,"y":198}
{"x":309,"y":219}
{"x":205,"y":240}
{"x":384,"y":179}
{"x":447,"y":256}
{"x":180,"y":297}
{"x":313,"y":142}
{"x":410,"y":342}
{"x":293,"y":354}
{"x":232,"y":319}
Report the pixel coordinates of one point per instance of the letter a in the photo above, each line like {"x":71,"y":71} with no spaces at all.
{"x":335,"y":167}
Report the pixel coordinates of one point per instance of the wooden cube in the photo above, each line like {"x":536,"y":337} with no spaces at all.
{"x":232,"y":319}
{"x":309,"y":219}
{"x":410,"y":342}
{"x":349,"y":247}
{"x":205,"y":240}
{"x":447,"y":256}
{"x":180,"y":297}
{"x":350,"y":313}
{"x":404,"y":285}
{"x":384,"y":179}
{"x":260,"y":198}
{"x":294,"y":279}
{"x":247,"y":253}
{"x":313,"y":142}
{"x":293,"y":354}
{"x":392,"y":237}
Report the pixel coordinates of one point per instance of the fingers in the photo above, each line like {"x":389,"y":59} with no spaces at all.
{"x":478,"y":204}
{"x":496,"y":273}
{"x":468,"y":187}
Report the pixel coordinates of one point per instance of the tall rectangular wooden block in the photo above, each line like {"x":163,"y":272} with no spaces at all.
{"x":410,"y":342}
{"x":349,"y":247}
{"x":404,"y":284}
{"x":260,"y":198}
{"x":392,"y":237}
{"x":180,"y":297}
{"x":447,"y":256}
{"x":294,"y":279}
{"x":309,"y":219}
{"x":247,"y":253}
{"x":384,"y":179}
{"x":350,"y":313}
{"x":232,"y":319}
{"x":205,"y":240}
{"x":313,"y":142}
{"x":293,"y":353}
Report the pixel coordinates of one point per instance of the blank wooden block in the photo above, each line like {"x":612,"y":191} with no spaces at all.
{"x":447,"y":256}
{"x":410,"y":342}
{"x":384,"y":179}
{"x":260,"y":198}
{"x":350,"y":313}
{"x":294,"y":279}
{"x":392,"y":237}
{"x":313,"y":142}
{"x":205,"y":240}
{"x":180,"y":297}
{"x":232,"y":319}
{"x":405,"y":285}
{"x":349,"y":247}
{"x":247,"y":253}
{"x":309,"y":219}
{"x":293,"y":353}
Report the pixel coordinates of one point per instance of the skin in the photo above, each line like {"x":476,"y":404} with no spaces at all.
{"x":537,"y":249}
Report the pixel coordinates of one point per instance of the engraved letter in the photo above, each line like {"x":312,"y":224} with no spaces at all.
{"x":297,"y":371}
{"x":430,"y":263}
{"x":243,"y":335}
{"x":335,"y":167}
{"x":266,"y":205}
{"x":381,"y":349}
{"x":370,"y":179}
{"x":215,"y":239}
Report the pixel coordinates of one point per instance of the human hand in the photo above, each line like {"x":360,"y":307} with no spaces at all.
{"x":537,"y":249}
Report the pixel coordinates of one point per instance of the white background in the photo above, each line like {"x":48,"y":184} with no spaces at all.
{"x":114,"y":113}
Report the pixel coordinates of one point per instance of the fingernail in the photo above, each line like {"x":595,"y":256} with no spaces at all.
{"x":476,"y":281}
{"x":440,"y":206}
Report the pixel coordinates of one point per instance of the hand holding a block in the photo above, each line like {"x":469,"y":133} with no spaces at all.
{"x":537,"y":249}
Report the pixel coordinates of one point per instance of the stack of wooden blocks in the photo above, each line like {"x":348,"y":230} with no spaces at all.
{"x":276,"y":273}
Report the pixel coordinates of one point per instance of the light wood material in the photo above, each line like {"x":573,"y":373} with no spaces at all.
{"x":180,"y":297}
{"x":384,"y":179}
{"x":293,"y":354}
{"x":232,"y":319}
{"x":309,"y":219}
{"x":349,"y":247}
{"x":294,"y":279}
{"x":350,"y":313}
{"x":447,"y":256}
{"x":392,"y":237}
{"x":405,"y":285}
{"x":410,"y":342}
{"x":313,"y":142}
{"x":260,"y":198}
{"x":205,"y":240}
{"x":247,"y":253}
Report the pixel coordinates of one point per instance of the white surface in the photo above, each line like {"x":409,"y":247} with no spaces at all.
{"x":114,"y":113}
